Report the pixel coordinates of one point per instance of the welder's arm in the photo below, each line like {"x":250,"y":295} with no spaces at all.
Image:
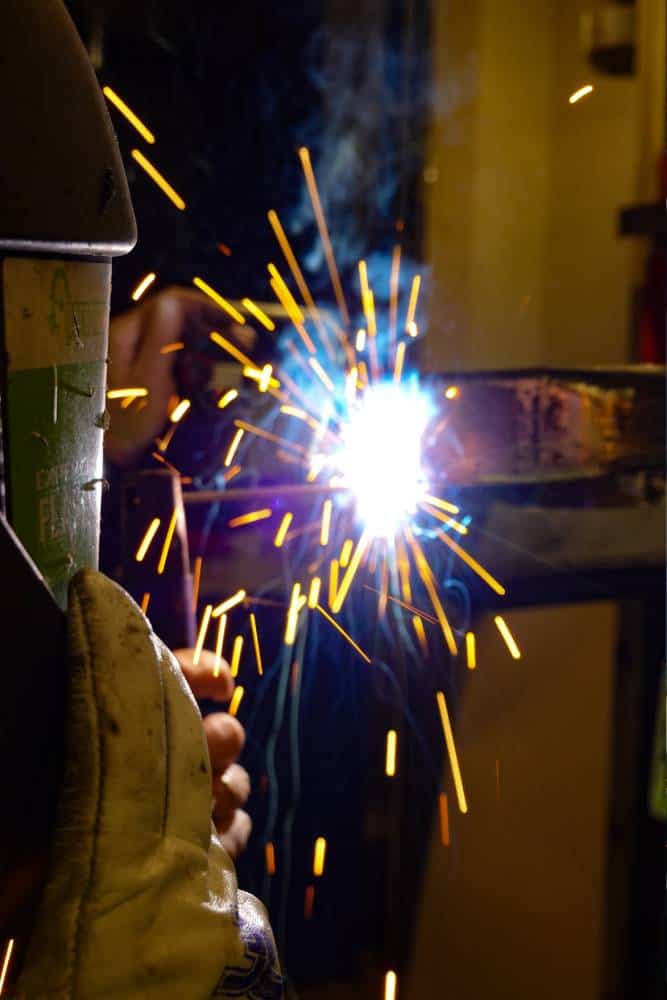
{"x":140,"y":899}
{"x":136,"y":340}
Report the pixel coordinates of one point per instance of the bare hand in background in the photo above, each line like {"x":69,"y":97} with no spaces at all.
{"x":136,"y":339}
{"x":225,"y":738}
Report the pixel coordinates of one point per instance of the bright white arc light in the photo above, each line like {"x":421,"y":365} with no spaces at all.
{"x":380,"y":459}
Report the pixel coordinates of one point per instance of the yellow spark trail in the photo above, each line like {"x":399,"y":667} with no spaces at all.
{"x":134,"y":393}
{"x":281,"y":533}
{"x":319,"y":855}
{"x":420,"y":632}
{"x":250,"y":517}
{"x":325,"y":528}
{"x":233,"y":448}
{"x":236,"y":700}
{"x":390,"y":753}
{"x":227,"y":398}
{"x":333,"y":581}
{"x":179,"y":411}
{"x":444,"y":519}
{"x":472,"y":563}
{"x":219,"y":301}
{"x":231,"y":349}
{"x":229,"y":603}
{"x":442,"y":504}
{"x":158,"y":179}
{"x":355,"y":561}
{"x":412,"y":302}
{"x":201,"y":635}
{"x":451,"y":750}
{"x":400,"y":358}
{"x":144,"y":284}
{"x":510,"y":641}
{"x":237,"y":649}
{"x":256,"y":644}
{"x":346,"y":635}
{"x":426,"y":576}
{"x":145,"y":542}
{"x":127,"y":112}
{"x":390,"y":984}
{"x":168,"y":540}
{"x":259,"y":314}
{"x":314,"y":592}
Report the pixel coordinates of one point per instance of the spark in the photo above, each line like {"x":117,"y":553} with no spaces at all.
{"x":309,"y":902}
{"x":262,"y":376}
{"x":412,"y":301}
{"x":201,"y":634}
{"x":5,"y":964}
{"x":135,"y":393}
{"x":279,"y":540}
{"x":145,"y":601}
{"x":250,"y":517}
{"x":163,"y":443}
{"x":360,"y":340}
{"x":444,"y":519}
{"x":270,"y":858}
{"x":231,"y":349}
{"x":127,"y":113}
{"x":158,"y":179}
{"x":582,"y":92}
{"x":346,"y":635}
{"x":426,"y":576}
{"x":390,"y":753}
{"x":229,"y":603}
{"x":442,"y":504}
{"x":143,"y":285}
{"x":403,"y":570}
{"x":393,"y":293}
{"x":333,"y":581}
{"x":290,"y":305}
{"x":412,"y":329}
{"x":176,"y":345}
{"x":196,"y":580}
{"x":237,"y":697}
{"x":268,"y":436}
{"x":451,"y":750}
{"x":390,"y":983}
{"x":292,"y":618}
{"x":179,"y":411}
{"x":259,"y":314}
{"x":345,"y":552}
{"x":227,"y":398}
{"x":321,"y":374}
{"x":314,"y":592}
{"x":168,"y":540}
{"x":400,"y":358}
{"x":319,"y":855}
{"x":219,"y":640}
{"x":384,"y":589}
{"x":471,"y":651}
{"x":304,"y":156}
{"x":325,"y":528}
{"x":233,"y":448}
{"x":255,"y":642}
{"x":351,"y":570}
{"x":219,"y":301}
{"x":444,"y":819}
{"x":420,"y":632}
{"x":451,"y":392}
{"x":510,"y":641}
{"x":145,"y":542}
{"x":235,"y":659}
{"x":234,"y":471}
{"x":472,"y":563}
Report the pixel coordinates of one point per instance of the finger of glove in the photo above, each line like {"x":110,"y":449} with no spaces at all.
{"x":225,"y":739}
{"x":235,"y":833}
{"x":116,"y":767}
{"x":230,"y":791}
{"x":207,"y":678}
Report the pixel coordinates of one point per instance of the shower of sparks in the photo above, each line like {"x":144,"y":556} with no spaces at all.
{"x":237,"y":697}
{"x":158,"y":179}
{"x":508,"y":638}
{"x":201,"y":634}
{"x":219,"y":301}
{"x":390,"y":753}
{"x":145,"y":542}
{"x":5,"y":963}
{"x":143,"y":286}
{"x":168,"y":540}
{"x":219,"y":642}
{"x":231,"y":602}
{"x":390,"y":984}
{"x":582,"y":92}
{"x":471,"y":651}
{"x":451,"y":750}
{"x":235,"y":659}
{"x":319,"y":855}
{"x":255,"y":643}
{"x":127,"y":113}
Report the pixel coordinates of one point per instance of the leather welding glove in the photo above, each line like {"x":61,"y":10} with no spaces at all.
{"x":141,"y":898}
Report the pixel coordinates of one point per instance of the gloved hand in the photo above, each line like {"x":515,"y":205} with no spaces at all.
{"x":141,"y":899}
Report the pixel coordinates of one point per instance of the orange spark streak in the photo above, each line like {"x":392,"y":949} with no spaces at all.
{"x":201,"y":634}
{"x":426,"y":576}
{"x":268,"y":436}
{"x":412,"y":302}
{"x":158,"y":179}
{"x":319,"y":855}
{"x":237,"y":649}
{"x":127,"y":113}
{"x":304,"y":156}
{"x":472,"y":563}
{"x":350,"y":572}
{"x":168,"y":540}
{"x":145,"y":601}
{"x":234,"y":471}
{"x":255,"y":643}
{"x":451,"y":750}
{"x":229,"y":603}
{"x":134,"y":393}
{"x":321,"y":374}
{"x":314,"y":592}
{"x":270,"y":858}
{"x":346,"y":635}
{"x":451,"y":392}
{"x":196,"y":581}
{"x":333,"y":581}
{"x":163,"y":443}
{"x":393,"y":293}
{"x":281,"y":533}
{"x":5,"y":964}
{"x":442,"y":504}
{"x":309,"y":902}
{"x":444,"y":519}
{"x":145,"y":542}
{"x":444,"y":820}
{"x":345,"y":552}
{"x":231,"y":451}
{"x":219,"y":300}
{"x":259,"y":314}
{"x":510,"y":641}
{"x":230,"y":348}
{"x":236,"y":697}
{"x":176,"y":345}
{"x":390,"y":753}
{"x":250,"y":517}
{"x":227,"y":398}
{"x":220,"y":638}
{"x":420,"y":632}
{"x":325,"y":528}
{"x":398,"y":366}
{"x":471,"y":652}
{"x":408,"y":607}
{"x":142,"y":286}
{"x":179,"y":411}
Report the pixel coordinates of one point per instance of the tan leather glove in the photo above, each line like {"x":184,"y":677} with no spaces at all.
{"x":141,"y":898}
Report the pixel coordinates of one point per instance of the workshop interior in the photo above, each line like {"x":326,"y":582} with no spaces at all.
{"x":417,"y":503}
